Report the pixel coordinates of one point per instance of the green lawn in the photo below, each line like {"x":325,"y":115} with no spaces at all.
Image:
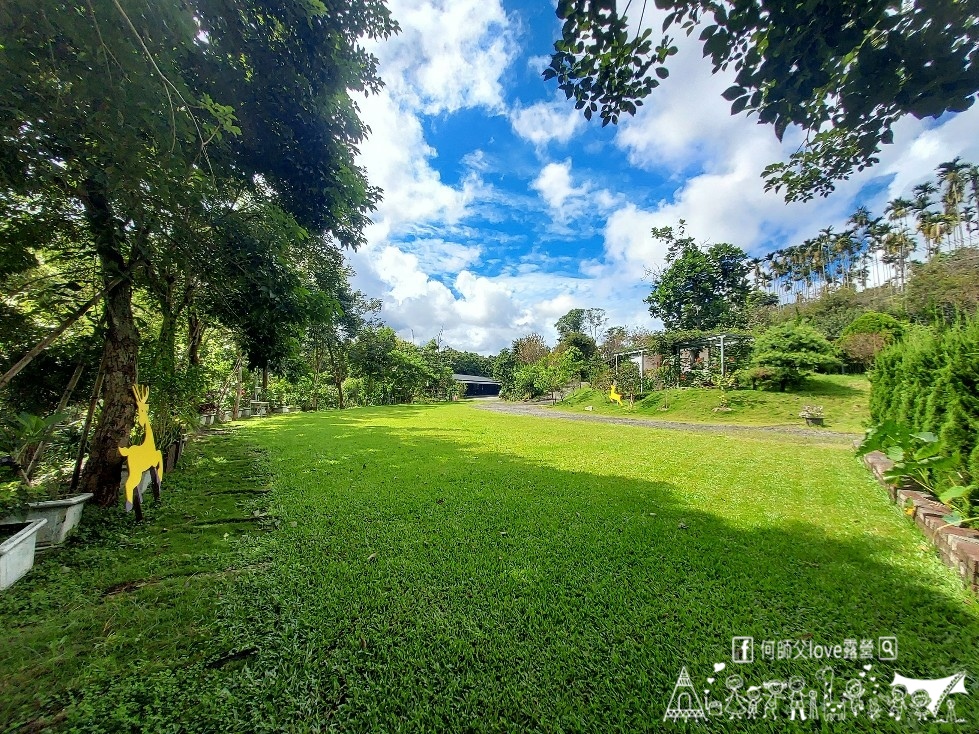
{"x":845,"y":400}
{"x":442,"y":568}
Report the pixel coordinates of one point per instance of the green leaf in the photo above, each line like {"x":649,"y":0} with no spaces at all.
{"x":895,"y":454}
{"x":732,"y":93}
{"x":954,"y":493}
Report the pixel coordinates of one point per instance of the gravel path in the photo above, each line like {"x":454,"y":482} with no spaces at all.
{"x":807,"y":435}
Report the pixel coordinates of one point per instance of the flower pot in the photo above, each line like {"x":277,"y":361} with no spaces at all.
{"x":17,"y":543}
{"x":816,"y":420}
{"x":62,"y":516}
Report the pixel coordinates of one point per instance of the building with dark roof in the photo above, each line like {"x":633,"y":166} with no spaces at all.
{"x":477,"y":385}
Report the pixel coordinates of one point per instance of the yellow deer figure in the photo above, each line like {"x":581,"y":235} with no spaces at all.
{"x":614,"y":396}
{"x":142,"y":457}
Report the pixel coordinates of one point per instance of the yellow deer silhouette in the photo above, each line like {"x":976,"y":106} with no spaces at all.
{"x":614,"y":396}
{"x":142,"y":457}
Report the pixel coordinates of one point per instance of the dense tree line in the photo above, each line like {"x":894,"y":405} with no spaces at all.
{"x":168,"y":169}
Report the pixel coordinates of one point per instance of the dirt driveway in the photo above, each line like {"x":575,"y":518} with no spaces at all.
{"x":807,"y":435}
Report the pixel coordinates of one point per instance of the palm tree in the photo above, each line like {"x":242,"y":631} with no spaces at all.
{"x":899,"y":210}
{"x":952,"y":175}
{"x":923,"y":214}
{"x":972,"y":173}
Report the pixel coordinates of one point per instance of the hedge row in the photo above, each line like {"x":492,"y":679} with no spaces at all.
{"x":929,"y":381}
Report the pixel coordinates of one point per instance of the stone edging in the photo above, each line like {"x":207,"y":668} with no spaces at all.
{"x":958,"y":547}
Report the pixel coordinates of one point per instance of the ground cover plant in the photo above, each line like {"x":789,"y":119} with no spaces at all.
{"x":121,"y":601}
{"x":437,"y":568}
{"x":844,"y":399}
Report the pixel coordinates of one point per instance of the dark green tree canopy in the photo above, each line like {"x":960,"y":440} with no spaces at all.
{"x":583,"y":343}
{"x":701,"y":288}
{"x":843,"y":71}
{"x":573,"y":322}
{"x":469,"y":363}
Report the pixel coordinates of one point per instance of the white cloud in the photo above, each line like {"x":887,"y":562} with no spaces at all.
{"x":450,"y":54}
{"x":544,"y":122}
{"x":554,"y":185}
{"x":566,"y":201}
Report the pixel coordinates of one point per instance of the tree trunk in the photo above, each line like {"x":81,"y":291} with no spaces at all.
{"x":236,"y":409}
{"x":104,"y":467}
{"x":332,"y":352}
{"x":195,"y":335}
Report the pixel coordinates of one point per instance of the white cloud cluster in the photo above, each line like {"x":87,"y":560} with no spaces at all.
{"x":450,"y":54}
{"x":545,"y":122}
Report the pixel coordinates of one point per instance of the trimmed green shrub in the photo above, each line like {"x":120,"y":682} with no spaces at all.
{"x":874,"y":322}
{"x":929,"y":382}
{"x":793,"y":351}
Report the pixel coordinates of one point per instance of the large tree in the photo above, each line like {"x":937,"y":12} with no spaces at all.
{"x":701,"y":287}
{"x":125,"y":112}
{"x":842,"y":71}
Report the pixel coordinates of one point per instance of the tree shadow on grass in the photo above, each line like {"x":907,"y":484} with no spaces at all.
{"x":432,"y":583}
{"x":825,"y":388}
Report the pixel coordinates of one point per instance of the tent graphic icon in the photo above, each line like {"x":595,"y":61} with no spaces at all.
{"x":684,"y":703}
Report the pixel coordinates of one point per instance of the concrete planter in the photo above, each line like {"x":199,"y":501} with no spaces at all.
{"x":17,"y":543}
{"x":62,"y":516}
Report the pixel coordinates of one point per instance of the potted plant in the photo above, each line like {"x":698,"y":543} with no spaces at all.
{"x":61,"y":515}
{"x":18,"y":542}
{"x":813,"y":415}
{"x":24,"y":501}
{"x":208,"y":410}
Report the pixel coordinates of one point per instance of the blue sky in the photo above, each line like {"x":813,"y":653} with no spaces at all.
{"x":504,"y":208}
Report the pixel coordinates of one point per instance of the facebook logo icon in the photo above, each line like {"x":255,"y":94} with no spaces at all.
{"x":743,"y":649}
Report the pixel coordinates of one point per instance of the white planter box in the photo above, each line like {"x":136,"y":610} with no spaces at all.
{"x":62,"y":517}
{"x":17,"y":552}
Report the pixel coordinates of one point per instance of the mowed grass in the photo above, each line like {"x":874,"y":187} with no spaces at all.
{"x":845,"y":400}
{"x":97,"y":627}
{"x":443,"y":568}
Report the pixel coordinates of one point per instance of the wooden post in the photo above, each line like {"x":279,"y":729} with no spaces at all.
{"x":92,"y":403}
{"x":65,"y":397}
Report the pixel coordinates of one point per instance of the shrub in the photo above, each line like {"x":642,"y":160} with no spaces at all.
{"x":792,"y":351}
{"x":874,"y":322}
{"x":929,"y":382}
{"x":757,"y":378}
{"x":353,"y":390}
{"x":862,"y":348}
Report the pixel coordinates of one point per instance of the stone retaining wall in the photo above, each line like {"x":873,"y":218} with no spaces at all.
{"x":958,"y":547}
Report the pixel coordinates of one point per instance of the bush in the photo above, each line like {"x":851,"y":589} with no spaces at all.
{"x":757,"y":378}
{"x":929,"y":382}
{"x":353,"y":390}
{"x":862,"y":348}
{"x":792,"y":351}
{"x":874,"y":322}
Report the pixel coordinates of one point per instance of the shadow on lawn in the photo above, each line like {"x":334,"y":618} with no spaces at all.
{"x":432,"y":583}
{"x":439,"y":584}
{"x":825,"y":388}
